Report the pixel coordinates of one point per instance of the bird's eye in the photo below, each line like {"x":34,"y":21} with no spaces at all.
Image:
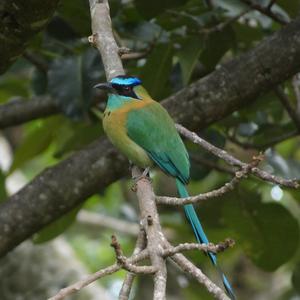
{"x":126,"y":88}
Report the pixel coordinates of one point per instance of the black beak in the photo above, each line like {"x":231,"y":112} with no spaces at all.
{"x":107,"y":86}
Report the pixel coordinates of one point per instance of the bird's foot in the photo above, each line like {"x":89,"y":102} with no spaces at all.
{"x":144,"y":175}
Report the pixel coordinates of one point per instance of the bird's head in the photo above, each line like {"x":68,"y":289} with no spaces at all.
{"x":127,"y":87}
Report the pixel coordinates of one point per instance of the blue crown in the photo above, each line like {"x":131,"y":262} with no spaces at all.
{"x":126,"y":80}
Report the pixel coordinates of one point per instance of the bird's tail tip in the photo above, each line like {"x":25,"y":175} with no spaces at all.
{"x":228,"y":287}
{"x":201,"y":236}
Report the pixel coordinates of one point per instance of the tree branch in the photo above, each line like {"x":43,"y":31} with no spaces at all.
{"x":234,"y":161}
{"x":287,"y":105}
{"x":155,"y":238}
{"x":206,"y":100}
{"x":220,"y":247}
{"x":57,"y":190}
{"x":93,"y":277}
{"x":267,"y":11}
{"x":117,"y":225}
{"x":18,"y":111}
{"x":295,"y":83}
{"x":125,"y":264}
{"x":129,"y":278}
{"x":226,"y":188}
{"x":103,"y":38}
{"x":262,"y":146}
{"x":186,"y":266}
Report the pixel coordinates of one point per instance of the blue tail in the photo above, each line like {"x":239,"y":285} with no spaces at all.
{"x":200,"y":235}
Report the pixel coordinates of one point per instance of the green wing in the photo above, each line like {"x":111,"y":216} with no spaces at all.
{"x":153,"y":129}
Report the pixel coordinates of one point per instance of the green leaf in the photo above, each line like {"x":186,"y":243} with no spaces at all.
{"x":11,"y":86}
{"x":156,"y":72}
{"x":71,"y":80}
{"x":57,"y":227}
{"x":216,"y":45}
{"x":267,"y":232}
{"x":77,"y":14}
{"x":80,"y":137}
{"x":188,"y":57}
{"x":290,"y":7}
{"x":246,"y":36}
{"x":34,"y":143}
{"x":150,"y":9}
{"x":191,"y":16}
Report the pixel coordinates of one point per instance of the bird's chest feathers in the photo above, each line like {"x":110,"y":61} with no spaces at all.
{"x":115,"y":118}
{"x":114,"y":124}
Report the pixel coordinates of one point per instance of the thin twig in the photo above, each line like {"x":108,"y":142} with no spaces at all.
{"x":93,"y":277}
{"x":227,"y":187}
{"x":275,"y":140}
{"x":211,"y":164}
{"x":134,"y":55}
{"x":234,"y":161}
{"x":129,"y":278}
{"x":100,"y":220}
{"x":266,"y":11}
{"x":287,"y":105}
{"x":220,"y":247}
{"x":295,"y":83}
{"x":219,"y":27}
{"x":188,"y":267}
{"x":125,"y":264}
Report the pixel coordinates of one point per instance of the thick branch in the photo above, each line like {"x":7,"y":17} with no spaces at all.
{"x":237,"y":83}
{"x":18,"y":111}
{"x":57,"y":190}
{"x":240,"y":81}
{"x":19,"y":21}
{"x":104,"y":40}
{"x":155,"y":237}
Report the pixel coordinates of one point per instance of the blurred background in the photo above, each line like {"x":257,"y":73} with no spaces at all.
{"x":173,"y":43}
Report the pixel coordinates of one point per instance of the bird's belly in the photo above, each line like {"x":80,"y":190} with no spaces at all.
{"x":114,"y":126}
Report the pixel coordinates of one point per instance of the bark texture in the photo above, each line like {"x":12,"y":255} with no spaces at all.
{"x":18,"y":111}
{"x":57,"y":190}
{"x":240,"y":81}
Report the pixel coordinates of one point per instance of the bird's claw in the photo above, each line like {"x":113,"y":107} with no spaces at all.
{"x":144,"y":175}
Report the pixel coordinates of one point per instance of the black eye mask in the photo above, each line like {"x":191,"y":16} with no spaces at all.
{"x":125,"y":90}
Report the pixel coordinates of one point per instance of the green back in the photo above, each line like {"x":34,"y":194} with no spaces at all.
{"x":153,"y":129}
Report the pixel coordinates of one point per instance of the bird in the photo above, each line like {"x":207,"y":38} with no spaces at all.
{"x":146,"y":134}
